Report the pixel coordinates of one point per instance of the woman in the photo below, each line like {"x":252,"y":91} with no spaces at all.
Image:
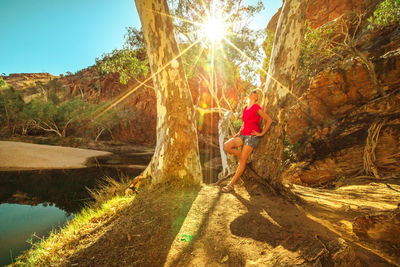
{"x":248,"y":136}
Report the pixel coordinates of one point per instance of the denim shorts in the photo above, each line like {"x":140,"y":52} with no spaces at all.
{"x":250,"y":140}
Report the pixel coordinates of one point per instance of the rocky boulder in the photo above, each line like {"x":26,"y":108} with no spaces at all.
{"x":379,"y":227}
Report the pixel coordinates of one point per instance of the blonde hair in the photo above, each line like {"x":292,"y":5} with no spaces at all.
{"x":260,"y":95}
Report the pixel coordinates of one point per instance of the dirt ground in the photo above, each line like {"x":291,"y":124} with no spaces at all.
{"x":203,"y":227}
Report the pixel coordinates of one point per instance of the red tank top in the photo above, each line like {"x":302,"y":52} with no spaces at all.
{"x":251,"y":120}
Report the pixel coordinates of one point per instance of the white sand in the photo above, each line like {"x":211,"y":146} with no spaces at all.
{"x":25,"y":156}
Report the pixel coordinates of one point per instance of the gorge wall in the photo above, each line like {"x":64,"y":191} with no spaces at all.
{"x":93,"y":87}
{"x":340,"y":126}
{"x":319,"y":12}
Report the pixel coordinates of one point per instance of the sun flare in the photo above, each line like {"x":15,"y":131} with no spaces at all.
{"x":214,"y":29}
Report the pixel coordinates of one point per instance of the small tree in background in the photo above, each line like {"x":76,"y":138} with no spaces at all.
{"x":49,"y":117}
{"x":42,"y":115}
{"x":134,"y":41}
{"x":123,"y":61}
{"x":130,"y":62}
{"x":71,"y":117}
{"x":317,"y":49}
{"x":11,"y":104}
{"x":105,"y":123}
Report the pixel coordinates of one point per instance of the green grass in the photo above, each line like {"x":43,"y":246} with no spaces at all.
{"x":58,"y":246}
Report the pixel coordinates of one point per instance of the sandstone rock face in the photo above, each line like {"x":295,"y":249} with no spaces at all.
{"x":141,"y":128}
{"x":320,"y":12}
{"x":23,"y":80}
{"x":273,"y":22}
{"x":334,"y":120}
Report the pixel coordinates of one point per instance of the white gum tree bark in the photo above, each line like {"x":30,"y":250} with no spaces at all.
{"x":176,"y":154}
{"x":227,"y":160}
{"x":266,"y":160}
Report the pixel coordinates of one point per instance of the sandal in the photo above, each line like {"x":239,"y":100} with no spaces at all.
{"x":227,"y":189}
{"x":219,"y":182}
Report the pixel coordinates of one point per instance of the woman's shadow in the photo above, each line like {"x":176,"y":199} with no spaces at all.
{"x":277,"y":222}
{"x":258,"y":224}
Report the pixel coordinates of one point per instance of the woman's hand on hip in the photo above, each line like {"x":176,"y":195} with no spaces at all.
{"x":256,"y":133}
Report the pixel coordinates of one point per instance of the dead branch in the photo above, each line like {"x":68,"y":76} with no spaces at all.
{"x":48,"y":129}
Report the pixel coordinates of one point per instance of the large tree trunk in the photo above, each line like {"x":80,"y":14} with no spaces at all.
{"x":176,"y":154}
{"x":266,"y":160}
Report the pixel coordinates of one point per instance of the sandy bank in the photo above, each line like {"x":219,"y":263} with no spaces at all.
{"x":25,"y":156}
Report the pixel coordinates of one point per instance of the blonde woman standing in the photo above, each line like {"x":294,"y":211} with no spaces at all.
{"x":248,"y":136}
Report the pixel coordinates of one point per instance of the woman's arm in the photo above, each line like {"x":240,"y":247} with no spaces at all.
{"x":268,"y":122}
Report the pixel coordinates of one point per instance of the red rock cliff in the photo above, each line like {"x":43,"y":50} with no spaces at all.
{"x":320,"y":12}
{"x":342,"y":125}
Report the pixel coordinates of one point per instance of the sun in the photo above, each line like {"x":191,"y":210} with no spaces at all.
{"x":214,"y":29}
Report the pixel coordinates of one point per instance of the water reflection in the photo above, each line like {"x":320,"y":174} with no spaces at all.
{"x":35,"y":201}
{"x":19,"y":222}
{"x":67,"y":189}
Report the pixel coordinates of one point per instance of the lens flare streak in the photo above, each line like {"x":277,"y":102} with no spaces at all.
{"x":148,"y":79}
{"x":213,"y":28}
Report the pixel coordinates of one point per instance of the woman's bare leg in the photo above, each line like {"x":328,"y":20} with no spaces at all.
{"x":231,"y":146}
{"x":244,"y":155}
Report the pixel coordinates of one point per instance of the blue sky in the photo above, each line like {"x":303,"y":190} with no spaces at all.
{"x":57,"y":36}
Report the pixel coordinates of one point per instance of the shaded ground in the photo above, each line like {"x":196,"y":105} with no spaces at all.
{"x":202,"y":227}
{"x":139,"y":235}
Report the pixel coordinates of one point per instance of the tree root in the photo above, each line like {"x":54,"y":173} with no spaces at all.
{"x":276,"y":188}
{"x":136,"y":182}
{"x":369,"y":150}
{"x":391,"y":187}
{"x":374,"y":178}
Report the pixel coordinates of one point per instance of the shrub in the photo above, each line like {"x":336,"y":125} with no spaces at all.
{"x":98,"y":125}
{"x":387,"y":13}
{"x":289,"y":152}
{"x":70,"y":117}
{"x":316,"y":49}
{"x":3,"y":84}
{"x":11,"y":104}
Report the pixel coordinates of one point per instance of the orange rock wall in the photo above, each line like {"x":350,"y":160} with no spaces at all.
{"x":142,"y":128}
{"x":23,"y":80}
{"x":331,"y":122}
{"x":320,"y":12}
